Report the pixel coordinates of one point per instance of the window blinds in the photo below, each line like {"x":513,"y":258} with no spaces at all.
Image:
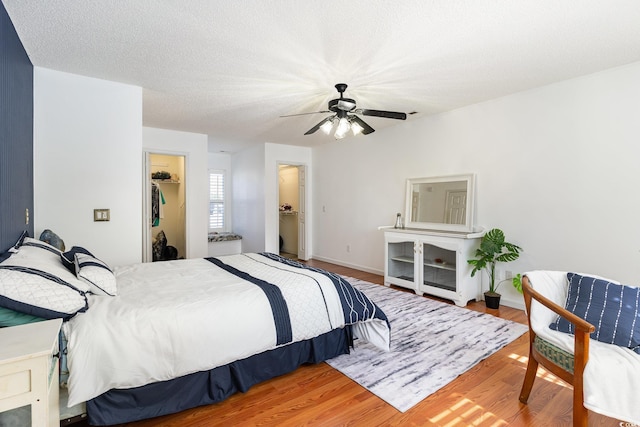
{"x":216,"y":200}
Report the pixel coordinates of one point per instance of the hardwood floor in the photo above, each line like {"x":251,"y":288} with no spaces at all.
{"x":318,"y":395}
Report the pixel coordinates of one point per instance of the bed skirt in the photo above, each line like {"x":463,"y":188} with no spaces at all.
{"x":203,"y":388}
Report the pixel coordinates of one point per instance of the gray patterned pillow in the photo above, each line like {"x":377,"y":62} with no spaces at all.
{"x":53,"y":239}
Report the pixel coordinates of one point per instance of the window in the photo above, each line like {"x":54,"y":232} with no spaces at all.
{"x":216,"y":200}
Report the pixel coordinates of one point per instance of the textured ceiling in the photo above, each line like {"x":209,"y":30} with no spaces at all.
{"x":229,"y":69}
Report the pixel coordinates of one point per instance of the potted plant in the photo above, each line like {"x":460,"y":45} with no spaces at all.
{"x":493,"y":249}
{"x":517,"y":282}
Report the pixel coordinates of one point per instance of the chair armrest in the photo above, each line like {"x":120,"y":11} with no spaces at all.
{"x":579,"y":323}
{"x":583,"y":330}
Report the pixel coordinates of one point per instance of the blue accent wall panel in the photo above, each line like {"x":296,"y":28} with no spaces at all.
{"x":16,"y":134}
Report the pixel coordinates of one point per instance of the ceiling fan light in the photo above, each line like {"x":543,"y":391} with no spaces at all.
{"x":346,"y":104}
{"x":327,"y":126}
{"x":343,"y":128}
{"x":356,"y":128}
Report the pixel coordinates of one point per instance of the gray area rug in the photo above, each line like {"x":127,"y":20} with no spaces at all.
{"x":432,"y":343}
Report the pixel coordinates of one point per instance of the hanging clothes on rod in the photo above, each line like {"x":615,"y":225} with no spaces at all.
{"x":157,"y":200}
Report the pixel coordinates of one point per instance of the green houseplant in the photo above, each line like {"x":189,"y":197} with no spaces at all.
{"x":493,"y":249}
{"x":517,"y":282}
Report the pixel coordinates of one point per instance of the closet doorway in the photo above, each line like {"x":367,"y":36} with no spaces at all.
{"x":164,"y":232}
{"x":292,"y":209}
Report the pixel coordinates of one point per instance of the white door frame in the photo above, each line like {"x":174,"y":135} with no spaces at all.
{"x":146,"y":207}
{"x":302,"y":213}
{"x":303,"y":235}
{"x":146,"y":201}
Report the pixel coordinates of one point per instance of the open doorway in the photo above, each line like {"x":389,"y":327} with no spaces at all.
{"x":291,"y":202}
{"x":164,"y":233}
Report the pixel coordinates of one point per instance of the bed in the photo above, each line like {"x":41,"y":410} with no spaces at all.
{"x":156,"y":338}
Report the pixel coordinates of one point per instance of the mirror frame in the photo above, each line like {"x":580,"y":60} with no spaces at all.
{"x":468,"y":226}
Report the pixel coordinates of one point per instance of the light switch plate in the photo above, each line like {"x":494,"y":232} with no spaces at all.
{"x":101,"y":215}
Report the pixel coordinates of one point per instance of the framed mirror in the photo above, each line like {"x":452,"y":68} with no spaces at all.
{"x":444,"y":203}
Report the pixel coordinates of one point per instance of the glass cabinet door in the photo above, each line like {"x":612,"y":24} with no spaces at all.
{"x":432,"y":263}
{"x":401,"y":260}
{"x":439,"y":267}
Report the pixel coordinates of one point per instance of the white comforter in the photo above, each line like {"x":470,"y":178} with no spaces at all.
{"x":178,"y":317}
{"x":612,"y":374}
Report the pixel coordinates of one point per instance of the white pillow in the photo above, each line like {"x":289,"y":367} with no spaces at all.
{"x":29,"y":242}
{"x":96,"y":273}
{"x":44,"y":257}
{"x":38,"y":293}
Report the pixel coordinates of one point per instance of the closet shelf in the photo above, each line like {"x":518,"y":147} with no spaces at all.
{"x":288,"y":213}
{"x":165,"y":181}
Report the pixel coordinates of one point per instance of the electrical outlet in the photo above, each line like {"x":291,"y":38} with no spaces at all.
{"x":508,"y":275}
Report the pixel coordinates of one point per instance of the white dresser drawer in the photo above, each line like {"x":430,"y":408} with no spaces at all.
{"x":15,"y":383}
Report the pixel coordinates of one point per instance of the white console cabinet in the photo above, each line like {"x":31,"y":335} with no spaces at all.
{"x":432,"y":262}
{"x":29,"y":371}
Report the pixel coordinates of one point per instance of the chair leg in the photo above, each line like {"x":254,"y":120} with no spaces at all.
{"x":580,"y":413}
{"x":529,"y":378}
{"x":580,"y":416}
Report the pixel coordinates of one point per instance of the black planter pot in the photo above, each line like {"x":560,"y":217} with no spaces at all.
{"x":492,"y":299}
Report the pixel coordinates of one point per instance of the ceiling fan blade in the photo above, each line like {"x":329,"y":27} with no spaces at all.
{"x":304,"y":114}
{"x":385,"y":114}
{"x":316,"y":127}
{"x":366,"y":129}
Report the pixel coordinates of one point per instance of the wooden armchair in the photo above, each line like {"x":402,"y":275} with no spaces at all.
{"x":569,"y":367}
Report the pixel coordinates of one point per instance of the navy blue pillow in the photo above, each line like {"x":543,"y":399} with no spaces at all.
{"x":69,"y":258}
{"x":612,"y":308}
{"x":15,"y":247}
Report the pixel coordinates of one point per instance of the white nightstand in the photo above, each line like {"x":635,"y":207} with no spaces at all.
{"x":29,"y":370}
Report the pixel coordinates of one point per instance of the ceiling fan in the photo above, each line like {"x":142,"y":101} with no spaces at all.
{"x":345,"y":119}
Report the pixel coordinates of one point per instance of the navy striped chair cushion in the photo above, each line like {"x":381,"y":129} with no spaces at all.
{"x":612,"y":308}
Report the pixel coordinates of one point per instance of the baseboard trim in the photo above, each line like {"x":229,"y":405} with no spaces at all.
{"x":350,"y":265}
{"x":512,"y":304}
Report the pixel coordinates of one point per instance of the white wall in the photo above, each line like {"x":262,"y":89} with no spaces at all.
{"x":556,"y":170}
{"x":276,"y":154}
{"x":194,"y":147}
{"x":255,"y":193}
{"x":248,"y":177}
{"x":87,"y":155}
